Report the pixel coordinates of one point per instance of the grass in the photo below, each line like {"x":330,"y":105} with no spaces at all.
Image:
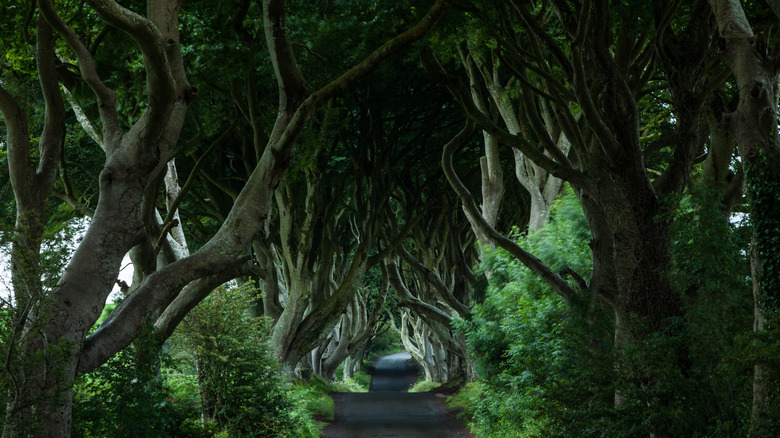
{"x":362,"y":378}
{"x":316,"y":399}
{"x":465,"y":400}
{"x":359,"y":382}
{"x":315,"y":394}
{"x":424,"y":386}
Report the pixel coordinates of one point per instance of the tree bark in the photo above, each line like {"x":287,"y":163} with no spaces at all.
{"x":754,"y":125}
{"x":31,"y":191}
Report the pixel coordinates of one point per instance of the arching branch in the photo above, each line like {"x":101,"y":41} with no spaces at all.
{"x":558,"y":284}
{"x":460,"y":93}
{"x":406,"y":299}
{"x":106,"y":97}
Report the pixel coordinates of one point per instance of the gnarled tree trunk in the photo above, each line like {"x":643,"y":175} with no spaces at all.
{"x":754,"y":125}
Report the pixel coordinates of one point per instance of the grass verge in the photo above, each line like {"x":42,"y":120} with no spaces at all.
{"x":464,"y":401}
{"x":315,"y":395}
{"x":424,"y":386}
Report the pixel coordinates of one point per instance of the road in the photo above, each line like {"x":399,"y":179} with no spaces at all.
{"x":387,"y":410}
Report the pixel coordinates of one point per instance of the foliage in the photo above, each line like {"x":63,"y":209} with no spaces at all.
{"x":710,"y":268}
{"x":359,"y":382}
{"x":524,"y":342}
{"x":547,"y":369}
{"x":58,"y":244}
{"x":466,"y":399}
{"x":143,"y":392}
{"x":127,"y":397}
{"x":388,"y":341}
{"x":764,"y":191}
{"x":248,"y":395}
{"x":315,"y":396}
{"x":762,"y":348}
{"x":362,"y":379}
{"x":17,"y":373}
{"x":349,"y":385}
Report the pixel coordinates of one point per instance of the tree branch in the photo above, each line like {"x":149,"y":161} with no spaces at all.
{"x":18,"y":148}
{"x":396,"y":242}
{"x":292,"y":86}
{"x":589,"y":109}
{"x":83,"y":120}
{"x":106,"y":97}
{"x":149,"y":39}
{"x":443,"y":291}
{"x":558,"y":284}
{"x":195,"y":169}
{"x":249,"y":212}
{"x":531,"y":151}
{"x":192,"y":295}
{"x":366,"y":66}
{"x":117,"y":332}
{"x":406,"y":299}
{"x":379,"y":55}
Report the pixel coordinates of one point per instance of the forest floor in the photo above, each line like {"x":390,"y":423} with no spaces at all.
{"x":387,"y":410}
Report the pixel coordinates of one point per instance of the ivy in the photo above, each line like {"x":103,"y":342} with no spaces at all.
{"x":764,"y":192}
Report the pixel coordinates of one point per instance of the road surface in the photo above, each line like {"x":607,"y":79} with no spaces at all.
{"x":387,"y":410}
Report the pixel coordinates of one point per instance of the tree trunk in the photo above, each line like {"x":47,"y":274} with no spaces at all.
{"x":489,"y":164}
{"x":206,"y":395}
{"x":754,"y":125}
{"x":32,"y":189}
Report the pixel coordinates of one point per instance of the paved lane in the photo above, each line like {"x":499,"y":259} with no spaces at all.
{"x":387,"y":410}
{"x":394,"y":372}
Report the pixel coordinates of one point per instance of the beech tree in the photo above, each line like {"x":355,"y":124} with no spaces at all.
{"x":589,"y":65}
{"x":754,"y":125}
{"x":324,"y":241}
{"x":430,"y":269}
{"x":53,"y":329}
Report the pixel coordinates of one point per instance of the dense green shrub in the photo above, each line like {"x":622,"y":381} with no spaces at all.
{"x":142,"y":392}
{"x":549,"y":369}
{"x":525,"y":343}
{"x":127,"y":397}
{"x":711,"y":270}
{"x":245,"y":392}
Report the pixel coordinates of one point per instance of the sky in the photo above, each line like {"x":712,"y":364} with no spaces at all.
{"x":125,"y":273}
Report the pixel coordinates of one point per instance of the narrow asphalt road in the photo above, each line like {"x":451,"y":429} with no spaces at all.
{"x":387,"y":410}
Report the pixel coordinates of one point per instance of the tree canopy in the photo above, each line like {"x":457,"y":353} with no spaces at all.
{"x":572,"y":203}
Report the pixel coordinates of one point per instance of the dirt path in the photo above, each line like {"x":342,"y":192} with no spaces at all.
{"x":387,"y":410}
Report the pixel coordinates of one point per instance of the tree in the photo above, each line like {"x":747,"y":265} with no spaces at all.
{"x":136,"y":160}
{"x":754,"y":125}
{"x":593,"y":63}
{"x":431,"y":276}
